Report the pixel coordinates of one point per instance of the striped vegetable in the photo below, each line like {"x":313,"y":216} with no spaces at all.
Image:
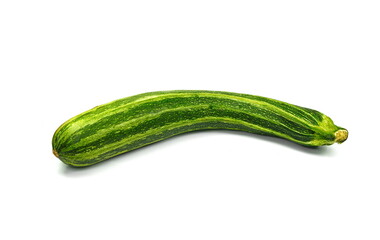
{"x":133,"y":122}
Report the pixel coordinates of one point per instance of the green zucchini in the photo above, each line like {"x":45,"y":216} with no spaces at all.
{"x":133,"y":122}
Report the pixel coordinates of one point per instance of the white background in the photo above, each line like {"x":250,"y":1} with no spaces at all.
{"x":60,"y":58}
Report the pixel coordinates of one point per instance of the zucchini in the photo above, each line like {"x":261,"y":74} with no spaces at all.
{"x":133,"y":122}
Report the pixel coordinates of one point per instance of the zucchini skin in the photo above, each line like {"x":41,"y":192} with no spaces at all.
{"x":129,"y":123}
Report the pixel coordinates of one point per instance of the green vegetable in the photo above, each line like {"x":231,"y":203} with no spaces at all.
{"x":133,"y":122}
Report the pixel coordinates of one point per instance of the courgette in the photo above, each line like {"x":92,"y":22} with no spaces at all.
{"x":133,"y":122}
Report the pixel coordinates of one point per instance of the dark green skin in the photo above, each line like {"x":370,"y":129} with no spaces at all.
{"x":130,"y":123}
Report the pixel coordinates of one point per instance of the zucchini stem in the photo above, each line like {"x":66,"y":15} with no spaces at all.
{"x":341,"y":135}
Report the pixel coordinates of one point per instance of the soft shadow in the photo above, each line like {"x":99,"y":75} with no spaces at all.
{"x":70,"y":171}
{"x":321,"y":151}
{"x":113,"y":162}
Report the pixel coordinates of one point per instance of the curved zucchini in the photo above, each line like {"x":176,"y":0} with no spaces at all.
{"x":133,"y":122}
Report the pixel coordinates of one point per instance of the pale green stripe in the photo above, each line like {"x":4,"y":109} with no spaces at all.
{"x":132,"y":123}
{"x":136,"y":121}
{"x":76,"y":125}
{"x":136,"y":137}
